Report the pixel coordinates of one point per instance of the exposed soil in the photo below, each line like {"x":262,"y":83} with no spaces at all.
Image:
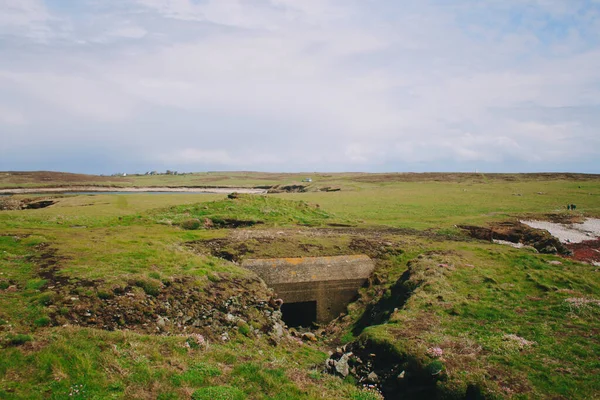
{"x":292,"y":243}
{"x":516,"y":232}
{"x":171,"y":306}
{"x":11,"y":203}
{"x":287,"y":189}
{"x":48,"y":267}
{"x":587,"y":251}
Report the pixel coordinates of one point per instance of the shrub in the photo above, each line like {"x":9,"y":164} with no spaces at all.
{"x":190,"y":224}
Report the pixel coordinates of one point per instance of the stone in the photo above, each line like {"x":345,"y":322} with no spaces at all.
{"x":554,"y":262}
{"x":11,"y":289}
{"x":372,"y":377}
{"x":277,"y":330}
{"x":277,"y":315}
{"x":309,"y":336}
{"x":341,"y":365}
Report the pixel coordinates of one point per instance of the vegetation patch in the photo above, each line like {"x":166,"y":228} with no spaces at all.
{"x":218,"y":393}
{"x":242,"y":211}
{"x":108,"y":296}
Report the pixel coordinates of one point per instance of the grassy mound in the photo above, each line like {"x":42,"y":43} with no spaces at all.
{"x":501,"y":323}
{"x":242,"y":211}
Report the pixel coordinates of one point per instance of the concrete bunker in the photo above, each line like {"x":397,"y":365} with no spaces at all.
{"x":313,"y":289}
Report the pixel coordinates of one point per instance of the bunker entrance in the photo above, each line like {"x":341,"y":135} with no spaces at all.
{"x":313,"y":289}
{"x":299,"y":314}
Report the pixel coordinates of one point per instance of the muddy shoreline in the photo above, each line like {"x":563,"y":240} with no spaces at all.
{"x":102,"y":189}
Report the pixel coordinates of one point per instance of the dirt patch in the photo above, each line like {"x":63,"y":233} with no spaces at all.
{"x":11,"y":203}
{"x":48,"y":267}
{"x":214,"y":308}
{"x":517,"y":232}
{"x":288,"y":189}
{"x":233,"y":223}
{"x":587,"y":251}
{"x":175,"y":306}
{"x":297,"y":243}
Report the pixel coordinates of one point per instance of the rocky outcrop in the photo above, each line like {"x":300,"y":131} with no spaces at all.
{"x":175,"y":307}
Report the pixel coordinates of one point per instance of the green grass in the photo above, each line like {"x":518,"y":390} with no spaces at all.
{"x":249,"y":209}
{"x":473,"y":310}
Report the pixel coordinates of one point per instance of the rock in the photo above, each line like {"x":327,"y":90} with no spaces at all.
{"x":277,"y":330}
{"x":554,"y":262}
{"x":277,"y":315}
{"x":161,"y":322}
{"x":372,"y":377}
{"x":401,"y":375}
{"x":225,"y":337}
{"x":341,"y":365}
{"x":11,"y":289}
{"x":309,"y":336}
{"x":548,"y":250}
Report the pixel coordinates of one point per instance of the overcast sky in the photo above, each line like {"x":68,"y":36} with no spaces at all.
{"x":100,"y":86}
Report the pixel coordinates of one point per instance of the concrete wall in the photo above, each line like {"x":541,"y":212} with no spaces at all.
{"x":330,"y":281}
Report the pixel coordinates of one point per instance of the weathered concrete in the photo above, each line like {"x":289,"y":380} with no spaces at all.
{"x":331,"y":282}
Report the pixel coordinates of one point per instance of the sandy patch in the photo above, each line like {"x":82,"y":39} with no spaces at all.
{"x":570,"y":233}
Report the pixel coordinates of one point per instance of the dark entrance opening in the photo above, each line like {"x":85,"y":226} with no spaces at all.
{"x":299,"y":314}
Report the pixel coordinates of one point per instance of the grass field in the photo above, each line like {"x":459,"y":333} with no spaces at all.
{"x":460,"y":317}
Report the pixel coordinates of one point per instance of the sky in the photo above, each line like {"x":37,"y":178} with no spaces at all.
{"x":104,"y":86}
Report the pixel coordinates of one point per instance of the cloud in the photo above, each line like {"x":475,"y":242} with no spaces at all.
{"x":316,"y":84}
{"x":11,"y":116}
